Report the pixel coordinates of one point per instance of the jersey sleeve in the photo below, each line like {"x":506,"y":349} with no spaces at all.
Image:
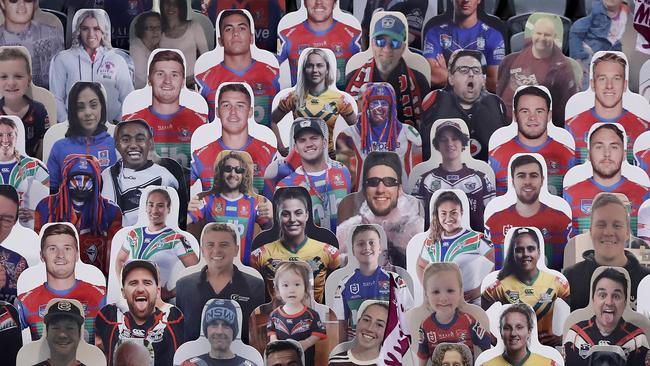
{"x":403,"y":293}
{"x":339,"y":305}
{"x":496,"y":48}
{"x":317,"y":326}
{"x":270,"y":325}
{"x":284,"y":48}
{"x":500,"y":171}
{"x":103,"y":328}
{"x":22,"y":313}
{"x":333,"y":254}
{"x":493,"y":293}
{"x":563,"y":289}
{"x":128,"y":243}
{"x":489,"y":191}
{"x":288,"y":103}
{"x":431,"y":43}
{"x":485,"y":245}
{"x":182,"y":247}
{"x":175,"y":322}
{"x":481,"y":337}
{"x":424,"y":352}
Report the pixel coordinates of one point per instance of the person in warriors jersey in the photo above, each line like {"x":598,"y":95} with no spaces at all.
{"x":327,"y":181}
{"x":158,"y":242}
{"x":609,"y":85}
{"x":79,"y":202}
{"x":532,"y":111}
{"x":450,"y":141}
{"x":606,"y":154}
{"x":160,"y":327}
{"x":527,"y":180}
{"x":231,"y":200}
{"x":236,"y":38}
{"x":60,"y":252}
{"x":234,"y":110}
{"x":320,"y":29}
{"x":172,"y":123}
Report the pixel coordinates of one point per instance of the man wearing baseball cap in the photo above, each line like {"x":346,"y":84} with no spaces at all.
{"x":327,"y":180}
{"x":161,"y":327}
{"x":388,"y":43}
{"x":220,"y":326}
{"x":63,"y":322}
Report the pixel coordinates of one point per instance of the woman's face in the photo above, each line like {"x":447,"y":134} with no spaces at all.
{"x":89,"y":111}
{"x":452,"y":358}
{"x":90,"y":33}
{"x":8,"y":138}
{"x":152,"y":32}
{"x":316,"y":70}
{"x":526,"y":254}
{"x":515,"y":332}
{"x":171,"y":9}
{"x":371,"y":327}
{"x":449,"y":215}
{"x":293,"y":218}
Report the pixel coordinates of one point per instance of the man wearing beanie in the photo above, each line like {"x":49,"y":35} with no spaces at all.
{"x":220,"y":326}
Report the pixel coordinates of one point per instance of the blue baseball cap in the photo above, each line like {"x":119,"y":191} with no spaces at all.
{"x":391,"y":26}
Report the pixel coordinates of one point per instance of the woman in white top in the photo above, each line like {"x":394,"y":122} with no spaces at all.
{"x":148,"y":31}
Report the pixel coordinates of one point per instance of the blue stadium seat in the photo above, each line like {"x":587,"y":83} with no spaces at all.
{"x":530,"y":6}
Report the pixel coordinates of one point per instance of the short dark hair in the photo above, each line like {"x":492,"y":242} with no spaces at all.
{"x":390,"y":159}
{"x":166,"y":55}
{"x":10,"y":193}
{"x":362,"y":228}
{"x":228,"y":12}
{"x":221,"y":227}
{"x":234,"y":87}
{"x":283,"y":345}
{"x":467,"y":53}
{"x":57,"y":318}
{"x":141,"y":122}
{"x":74,"y":125}
{"x":139,"y":25}
{"x":58,"y":229}
{"x":524,"y":160}
{"x":605,"y":198}
{"x":13,"y":53}
{"x":292,"y":192}
{"x":535,"y":91}
{"x":163,"y":192}
{"x":464,"y":139}
{"x":613,"y":275}
{"x":608,"y":126}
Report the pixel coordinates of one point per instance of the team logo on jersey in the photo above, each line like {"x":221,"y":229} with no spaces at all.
{"x":243,"y":211}
{"x":545,"y":298}
{"x":107,"y":70}
{"x":445,"y":41}
{"x":435,"y":185}
{"x":584,"y":350}
{"x":6,"y":170}
{"x":219,"y":207}
{"x":42,"y":310}
{"x":338,"y":181}
{"x":545,"y":232}
{"x":452,"y":177}
{"x":529,"y":291}
{"x":474,"y":147}
{"x":431,"y":337}
{"x":338,"y":49}
{"x":103,"y":156}
{"x":91,"y":252}
{"x":480,"y":43}
{"x":259,"y":89}
{"x":505,"y":229}
{"x":512,"y":296}
{"x":585,"y":206}
{"x":354,"y":288}
{"x":470,"y":185}
{"x":184,"y":134}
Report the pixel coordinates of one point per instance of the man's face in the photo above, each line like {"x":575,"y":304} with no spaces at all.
{"x":386,"y":57}
{"x":609,"y":231}
{"x":319,"y":10}
{"x":231,"y":174}
{"x":606,"y":153}
{"x":60,"y":254}
{"x":532,"y":116}
{"x":466,"y":7}
{"x":166,"y":80}
{"x":140,"y":291}
{"x":134,"y":144}
{"x":467,"y":79}
{"x":234,"y":111}
{"x":310,"y":146}
{"x":19,"y":12}
{"x":379,"y":110}
{"x":235,"y":35}
{"x":527,"y":180}
{"x":381,"y":199}
{"x":283,"y":358}
{"x":543,"y":36}
{"x":609,"y":83}
{"x":220,"y":335}
{"x":90,"y":33}
{"x":157,"y":209}
{"x":8,"y":209}
{"x":366,"y":248}
{"x":219,"y":249}
{"x":608,"y":303}
{"x":449,"y":145}
{"x":63,"y":335}
{"x":8,"y":138}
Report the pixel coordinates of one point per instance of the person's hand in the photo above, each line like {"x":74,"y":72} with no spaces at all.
{"x":25,"y":214}
{"x":550,"y":339}
{"x":441,"y":61}
{"x":283,"y":150}
{"x":265,"y":208}
{"x":195,"y":204}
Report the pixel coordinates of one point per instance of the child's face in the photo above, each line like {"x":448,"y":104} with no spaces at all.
{"x":291,"y":287}
{"x":444,"y":293}
{"x":14,"y":78}
{"x":366,"y":248}
{"x":449,"y":215}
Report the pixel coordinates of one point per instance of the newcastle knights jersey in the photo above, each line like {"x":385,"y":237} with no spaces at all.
{"x":555,"y":226}
{"x":31,"y":306}
{"x":531,"y":359}
{"x":559,"y":159}
{"x":581,"y":195}
{"x":203,"y":161}
{"x":172,"y":133}
{"x":540,"y":294}
{"x":342,"y":39}
{"x":262,"y":78}
{"x":326,"y":188}
{"x":241,"y":212}
{"x":13,"y":264}
{"x":463,"y":328}
{"x":579,"y":127}
{"x":299,"y":326}
{"x":643,"y":159}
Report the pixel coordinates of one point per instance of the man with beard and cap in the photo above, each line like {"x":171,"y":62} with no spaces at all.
{"x":327,"y":180}
{"x":220,"y":326}
{"x":532,"y":112}
{"x":126,"y":179}
{"x":63,"y":322}
{"x":606,"y":154}
{"x":79,"y":202}
{"x":60,"y":252}
{"x":378,"y":129}
{"x":527,"y":179}
{"x":388,"y":43}
{"x":160,"y":328}
{"x":467,"y":99}
{"x":385,"y":204}
{"x":231,"y":200}
{"x":163,"y":245}
{"x":541,"y":62}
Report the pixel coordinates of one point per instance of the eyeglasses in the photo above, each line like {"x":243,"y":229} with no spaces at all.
{"x":388,"y":182}
{"x":465,"y":70}
{"x":394,"y":44}
{"x":230,"y":168}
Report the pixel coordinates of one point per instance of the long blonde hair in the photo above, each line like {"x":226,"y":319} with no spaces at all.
{"x":302,"y":88}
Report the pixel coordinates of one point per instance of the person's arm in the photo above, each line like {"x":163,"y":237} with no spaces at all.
{"x":58,"y":79}
{"x":189,"y":259}
{"x":306,"y":343}
{"x":491,"y":80}
{"x":439,"y":73}
{"x":122,"y":257}
{"x":199,"y":38}
{"x":577,"y":36}
{"x":472,"y":294}
{"x":276,"y":116}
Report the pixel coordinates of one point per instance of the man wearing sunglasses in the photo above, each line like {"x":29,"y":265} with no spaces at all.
{"x":43,"y":41}
{"x":388,"y":43}
{"x":401,"y":215}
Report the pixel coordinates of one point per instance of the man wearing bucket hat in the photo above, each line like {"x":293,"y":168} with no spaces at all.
{"x":63,"y":322}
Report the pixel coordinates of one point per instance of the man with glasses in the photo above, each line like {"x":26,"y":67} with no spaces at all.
{"x":388,"y":44}
{"x":467,"y":99}
{"x":385,"y":204}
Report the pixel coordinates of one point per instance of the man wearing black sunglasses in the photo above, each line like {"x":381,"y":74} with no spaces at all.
{"x":401,"y":215}
{"x":388,"y":43}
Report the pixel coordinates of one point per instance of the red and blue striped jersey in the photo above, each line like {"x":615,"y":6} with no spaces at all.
{"x":203,"y":161}
{"x":581,"y":195}
{"x":327,"y":189}
{"x":559,"y":159}
{"x":555,"y":226}
{"x":341,"y":38}
{"x":463,"y":328}
{"x":32,"y":304}
{"x":241,"y":212}
{"x":172,"y":133}
{"x":643,"y":159}
{"x":262,"y":78}
{"x":579,"y":127}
